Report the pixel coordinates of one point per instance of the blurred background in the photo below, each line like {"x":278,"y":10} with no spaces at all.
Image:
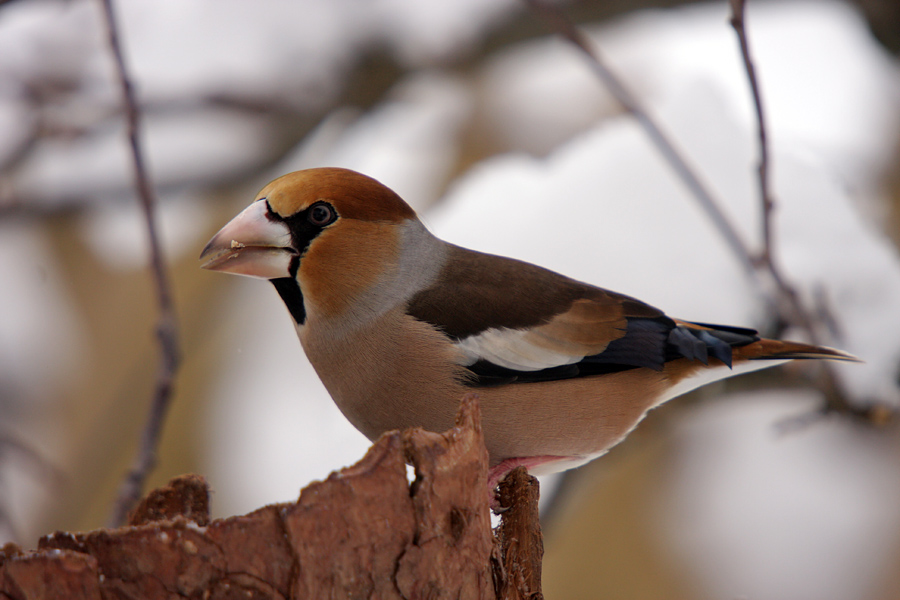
{"x":498,"y":133}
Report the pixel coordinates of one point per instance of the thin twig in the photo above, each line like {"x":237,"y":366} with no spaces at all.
{"x":792,"y":307}
{"x":737,"y":22}
{"x":564,"y":27}
{"x":167,"y":330}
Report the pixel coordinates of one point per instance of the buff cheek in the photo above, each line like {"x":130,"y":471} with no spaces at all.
{"x":343,"y":262}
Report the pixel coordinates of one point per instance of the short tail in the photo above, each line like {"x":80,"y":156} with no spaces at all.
{"x":701,"y":340}
{"x":765,"y":349}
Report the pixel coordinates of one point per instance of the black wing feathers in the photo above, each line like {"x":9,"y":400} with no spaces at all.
{"x":648,"y":342}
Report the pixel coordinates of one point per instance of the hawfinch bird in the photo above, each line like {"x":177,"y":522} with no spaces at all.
{"x":400,"y":325}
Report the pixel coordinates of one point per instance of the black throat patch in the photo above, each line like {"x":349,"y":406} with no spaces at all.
{"x":289,"y":290}
{"x":303,"y":230}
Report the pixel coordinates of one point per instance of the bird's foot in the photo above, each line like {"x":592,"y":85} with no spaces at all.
{"x":497,"y":473}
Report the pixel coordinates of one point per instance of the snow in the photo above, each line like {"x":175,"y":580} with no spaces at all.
{"x":47,"y":40}
{"x":410,"y":142}
{"x":218,"y":142}
{"x":827,"y":86}
{"x":538,"y":94}
{"x":197,"y":48}
{"x":423,"y":33}
{"x":828,"y":246}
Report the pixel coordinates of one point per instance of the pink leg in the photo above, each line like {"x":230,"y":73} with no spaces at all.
{"x":496,"y":474}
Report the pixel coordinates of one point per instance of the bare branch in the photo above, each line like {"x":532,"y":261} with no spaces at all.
{"x":559,"y":23}
{"x":792,"y":308}
{"x":737,"y":22}
{"x":167,"y":329}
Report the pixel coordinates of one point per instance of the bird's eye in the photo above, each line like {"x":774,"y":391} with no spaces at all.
{"x":321,"y":214}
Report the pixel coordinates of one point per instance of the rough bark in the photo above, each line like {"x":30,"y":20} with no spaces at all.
{"x":364,"y":532}
{"x":519,"y":538}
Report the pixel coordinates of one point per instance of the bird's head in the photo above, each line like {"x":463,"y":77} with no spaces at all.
{"x":333,"y":231}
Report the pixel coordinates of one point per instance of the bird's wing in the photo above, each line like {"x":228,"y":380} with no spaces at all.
{"x":586,"y":328}
{"x":513,"y":321}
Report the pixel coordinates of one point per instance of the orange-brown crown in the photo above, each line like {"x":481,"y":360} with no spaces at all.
{"x":354,"y":195}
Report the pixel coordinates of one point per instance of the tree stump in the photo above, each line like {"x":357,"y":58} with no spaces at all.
{"x":364,"y":532}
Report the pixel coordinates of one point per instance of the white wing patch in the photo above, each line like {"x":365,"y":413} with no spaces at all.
{"x":519,"y":349}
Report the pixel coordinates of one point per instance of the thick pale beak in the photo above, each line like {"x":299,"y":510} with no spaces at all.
{"x":251,"y":244}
